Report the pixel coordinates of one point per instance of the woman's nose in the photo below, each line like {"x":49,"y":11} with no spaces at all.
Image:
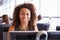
{"x":25,"y":15}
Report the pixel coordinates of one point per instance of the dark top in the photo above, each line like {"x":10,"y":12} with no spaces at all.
{"x":29,"y":29}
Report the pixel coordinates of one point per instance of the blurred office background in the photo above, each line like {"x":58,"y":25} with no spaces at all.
{"x":48,"y":9}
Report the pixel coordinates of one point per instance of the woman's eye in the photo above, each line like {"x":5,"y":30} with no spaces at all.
{"x":27,"y":14}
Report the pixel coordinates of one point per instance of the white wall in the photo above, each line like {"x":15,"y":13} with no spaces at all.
{"x":43,"y":7}
{"x":49,"y":7}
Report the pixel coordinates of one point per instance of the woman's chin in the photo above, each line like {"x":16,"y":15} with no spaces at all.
{"x":24,"y":22}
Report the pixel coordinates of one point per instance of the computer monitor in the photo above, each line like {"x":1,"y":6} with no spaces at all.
{"x":27,"y":35}
{"x":58,"y":28}
{"x":54,"y":35}
{"x":23,"y":35}
{"x":43,"y":26}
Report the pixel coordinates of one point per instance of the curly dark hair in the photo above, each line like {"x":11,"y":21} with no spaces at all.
{"x":16,"y":20}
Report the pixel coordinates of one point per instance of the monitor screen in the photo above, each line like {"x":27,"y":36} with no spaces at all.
{"x":43,"y":26}
{"x":23,"y":35}
{"x":58,"y":28}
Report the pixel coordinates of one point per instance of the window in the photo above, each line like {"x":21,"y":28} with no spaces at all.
{"x":48,"y":9}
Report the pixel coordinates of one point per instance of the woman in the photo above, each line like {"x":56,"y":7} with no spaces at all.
{"x":24,"y":18}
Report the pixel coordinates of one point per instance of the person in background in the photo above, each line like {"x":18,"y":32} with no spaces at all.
{"x":5,"y":19}
{"x":39,"y":17}
{"x":24,"y":18}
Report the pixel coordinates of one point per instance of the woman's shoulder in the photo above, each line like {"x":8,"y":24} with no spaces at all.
{"x":11,"y":28}
{"x":36,"y":28}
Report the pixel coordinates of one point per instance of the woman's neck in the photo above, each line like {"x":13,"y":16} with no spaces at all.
{"x":24,"y":25}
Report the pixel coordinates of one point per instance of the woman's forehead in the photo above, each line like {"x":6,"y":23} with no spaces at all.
{"x":24,"y":10}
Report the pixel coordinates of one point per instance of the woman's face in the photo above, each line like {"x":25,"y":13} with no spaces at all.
{"x":24,"y":15}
